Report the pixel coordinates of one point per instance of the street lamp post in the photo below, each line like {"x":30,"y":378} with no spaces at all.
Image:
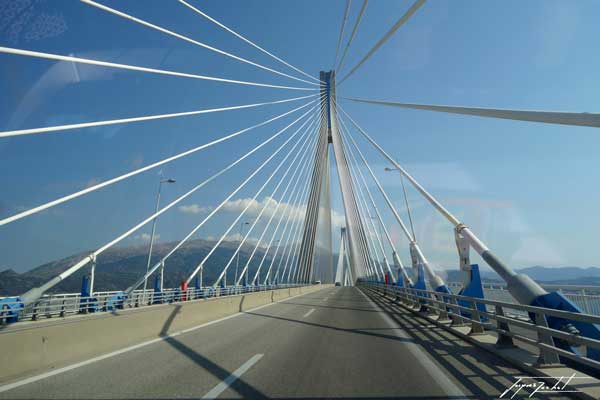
{"x":153,"y":232}
{"x":237,"y":262}
{"x":412,"y":228}
{"x":378,"y":222}
{"x":275,"y":243}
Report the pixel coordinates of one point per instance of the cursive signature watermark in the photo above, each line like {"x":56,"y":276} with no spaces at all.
{"x":537,"y":384}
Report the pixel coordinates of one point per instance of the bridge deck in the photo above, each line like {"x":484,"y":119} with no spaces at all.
{"x":334,"y":343}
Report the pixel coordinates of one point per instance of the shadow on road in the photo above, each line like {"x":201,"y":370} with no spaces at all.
{"x":366,"y":309}
{"x":356,"y":398}
{"x":359,"y":331}
{"x":240,"y":386}
{"x":482,"y":373}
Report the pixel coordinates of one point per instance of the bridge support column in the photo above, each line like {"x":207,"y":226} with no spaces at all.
{"x":356,"y":251}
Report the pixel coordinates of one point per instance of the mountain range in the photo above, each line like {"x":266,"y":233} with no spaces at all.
{"x":117,"y":268}
{"x":545,"y":275}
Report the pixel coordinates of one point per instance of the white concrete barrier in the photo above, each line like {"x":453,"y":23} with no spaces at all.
{"x":32,"y":347}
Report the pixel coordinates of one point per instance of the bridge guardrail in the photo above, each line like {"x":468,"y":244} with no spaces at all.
{"x":51,"y":344}
{"x":63,"y":304}
{"x":499,"y":316}
{"x":586,"y":297}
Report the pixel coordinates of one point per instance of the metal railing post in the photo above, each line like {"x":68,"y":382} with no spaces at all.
{"x":476,"y":325}
{"x":443,"y":311}
{"x":162,"y":275}
{"x":34,"y":313}
{"x":62,"y":308}
{"x":504,"y":341}
{"x":92,"y":274}
{"x":415,"y":297}
{"x":547,"y":356}
{"x":456,"y":316}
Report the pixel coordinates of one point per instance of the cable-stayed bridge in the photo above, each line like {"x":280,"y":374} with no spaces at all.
{"x":292,"y":320}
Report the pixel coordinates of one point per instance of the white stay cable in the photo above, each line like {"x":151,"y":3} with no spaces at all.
{"x":523,"y":288}
{"x":308,"y":223}
{"x":214,"y":21}
{"x":274,"y":212}
{"x":189,"y":40}
{"x":36,"y":293}
{"x":309,"y":220}
{"x":366,"y":217}
{"x":294,"y":217}
{"x":382,"y":190}
{"x":416,"y":5}
{"x":368,"y":241}
{"x":547,"y":117}
{"x":453,"y":220}
{"x":100,"y":185}
{"x":260,"y":167}
{"x":48,"y":129}
{"x":374,"y":205}
{"x":293,"y":195}
{"x":337,"y":50}
{"x":435,"y":279}
{"x":294,"y":244}
{"x":356,"y":24}
{"x":58,"y":57}
{"x":355,"y":167}
{"x":241,"y":214}
{"x":286,"y":214}
{"x":294,"y":267}
{"x":294,"y":259}
{"x":182,"y":241}
{"x":299,"y":197}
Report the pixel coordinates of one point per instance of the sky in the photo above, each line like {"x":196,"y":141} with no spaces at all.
{"x":528,"y":190}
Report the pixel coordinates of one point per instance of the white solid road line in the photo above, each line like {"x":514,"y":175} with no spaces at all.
{"x":221,"y":387}
{"x":35,"y":378}
{"x":308,"y":313}
{"x":434,"y":371}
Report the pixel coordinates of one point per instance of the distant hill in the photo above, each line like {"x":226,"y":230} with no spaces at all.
{"x":119,"y":267}
{"x":455,"y":275}
{"x":548,"y":275}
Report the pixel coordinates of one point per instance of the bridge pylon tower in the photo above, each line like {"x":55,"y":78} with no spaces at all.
{"x":330,"y":143}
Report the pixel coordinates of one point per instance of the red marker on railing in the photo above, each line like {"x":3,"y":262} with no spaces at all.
{"x":184,"y":287}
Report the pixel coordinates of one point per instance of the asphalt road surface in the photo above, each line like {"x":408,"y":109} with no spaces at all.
{"x":335,"y":343}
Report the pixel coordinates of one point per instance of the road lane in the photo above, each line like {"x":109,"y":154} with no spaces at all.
{"x":333,"y":343}
{"x":221,"y":387}
{"x":345,"y":350}
{"x":186,"y":366}
{"x":308,"y":313}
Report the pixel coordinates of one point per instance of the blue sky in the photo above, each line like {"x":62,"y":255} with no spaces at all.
{"x":529,"y":190}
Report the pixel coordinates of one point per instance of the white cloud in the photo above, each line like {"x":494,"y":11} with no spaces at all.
{"x":92,"y":182}
{"x":556,"y":29}
{"x":194,"y":209}
{"x":145,"y":237}
{"x":536,"y":250}
{"x":454,"y":177}
{"x":285,"y":209}
{"x":249,"y":241}
{"x":137,"y":160}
